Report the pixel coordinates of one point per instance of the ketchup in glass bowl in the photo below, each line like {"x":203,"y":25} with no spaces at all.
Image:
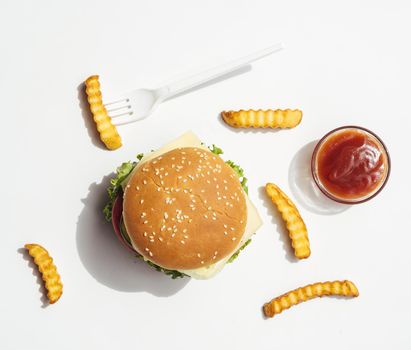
{"x":350,"y":164}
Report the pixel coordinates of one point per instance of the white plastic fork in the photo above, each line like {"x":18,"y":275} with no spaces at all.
{"x":140,"y":103}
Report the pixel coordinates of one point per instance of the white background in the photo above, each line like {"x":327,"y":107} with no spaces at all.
{"x":344,"y":63}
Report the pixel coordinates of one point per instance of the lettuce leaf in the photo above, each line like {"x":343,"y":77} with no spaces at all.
{"x":237,"y":169}
{"x":115,"y":184}
{"x":172,"y":273}
{"x":237,"y":253}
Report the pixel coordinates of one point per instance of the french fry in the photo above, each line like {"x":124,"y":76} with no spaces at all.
{"x":293,"y":221}
{"x":271,"y":118}
{"x":108,"y":132}
{"x":48,"y":271}
{"x":299,"y":295}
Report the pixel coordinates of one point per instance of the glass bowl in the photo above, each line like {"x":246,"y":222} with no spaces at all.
{"x":350,"y":199}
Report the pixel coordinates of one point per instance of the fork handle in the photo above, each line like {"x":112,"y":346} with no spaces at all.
{"x":178,"y":87}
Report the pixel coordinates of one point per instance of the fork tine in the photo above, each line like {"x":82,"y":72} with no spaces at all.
{"x":128,"y":119}
{"x":125,"y":100}
{"x":114,"y":116}
{"x":115,"y":109}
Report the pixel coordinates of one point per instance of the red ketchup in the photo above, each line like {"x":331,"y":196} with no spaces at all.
{"x":350,"y":164}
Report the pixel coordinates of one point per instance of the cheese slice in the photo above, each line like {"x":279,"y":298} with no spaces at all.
{"x":189,"y":139}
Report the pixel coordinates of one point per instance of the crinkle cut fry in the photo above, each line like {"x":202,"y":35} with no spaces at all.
{"x":277,"y":305}
{"x":48,"y":271}
{"x":108,"y":132}
{"x":279,"y":118}
{"x":295,"y":224}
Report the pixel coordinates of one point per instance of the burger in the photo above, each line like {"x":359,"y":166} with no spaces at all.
{"x":182,"y":208}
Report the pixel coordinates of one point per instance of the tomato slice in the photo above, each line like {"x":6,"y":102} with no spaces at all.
{"x":116,"y":217}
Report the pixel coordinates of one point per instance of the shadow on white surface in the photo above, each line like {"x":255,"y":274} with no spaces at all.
{"x":277,"y":220}
{"x":234,"y":73}
{"x":88,"y":117}
{"x":104,"y":257}
{"x":39,"y":280}
{"x":303,"y":187}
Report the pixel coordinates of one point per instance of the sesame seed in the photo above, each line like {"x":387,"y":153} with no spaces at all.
{"x":160,"y":239}
{"x":128,"y":186}
{"x":145,"y":170}
{"x":182,"y":242}
{"x":185,"y":236}
{"x":232,"y":228}
{"x":158,"y":189}
{"x":199,"y":255}
{"x":225,"y":233}
{"x":145,"y":234}
{"x":202,"y":261}
{"x":143,"y":214}
{"x":185,"y":230}
{"x":137,"y":188}
{"x":142,"y":201}
{"x":173,"y":235}
{"x":214,"y":257}
{"x":145,"y":222}
{"x":147,"y":249}
{"x":154,"y":233}
{"x":165,"y":216}
{"x":209,"y":208}
{"x":150,"y":253}
{"x":233,"y":239}
{"x":145,"y":182}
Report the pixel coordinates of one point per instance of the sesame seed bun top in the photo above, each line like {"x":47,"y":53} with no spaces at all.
{"x":185,"y":209}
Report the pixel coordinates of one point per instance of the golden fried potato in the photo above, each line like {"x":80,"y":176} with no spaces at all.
{"x":320,"y":289}
{"x":263,"y":119}
{"x":108,"y":132}
{"x":293,"y":221}
{"x":48,"y":271}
